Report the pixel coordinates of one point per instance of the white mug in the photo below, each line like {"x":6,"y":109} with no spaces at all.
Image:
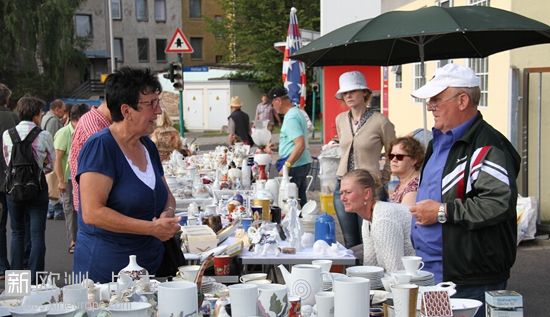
{"x":244,"y":299}
{"x":325,"y":304}
{"x":412,"y":264}
{"x":404,"y":299}
{"x":354,"y":290}
{"x":75,"y":294}
{"x":272,"y":296}
{"x":177,"y":298}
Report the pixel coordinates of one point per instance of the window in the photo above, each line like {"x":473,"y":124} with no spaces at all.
{"x":445,"y":3}
{"x":116,"y":9}
{"x":143,"y":50}
{"x":418,"y":80}
{"x":160,"y":10}
{"x":443,"y":62}
{"x":119,"y":49}
{"x":196,"y":44}
{"x":219,"y":59}
{"x":397,"y":69}
{"x":161,"y":45}
{"x":484,"y":3}
{"x":141,"y":10}
{"x":195,"y":8}
{"x":218,"y":19}
{"x":83,"y":25}
{"x":481,"y":67}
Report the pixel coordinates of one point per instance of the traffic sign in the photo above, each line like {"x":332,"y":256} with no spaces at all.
{"x":179,"y":43}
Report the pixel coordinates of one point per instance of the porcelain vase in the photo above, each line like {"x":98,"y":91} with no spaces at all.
{"x":135,"y":271}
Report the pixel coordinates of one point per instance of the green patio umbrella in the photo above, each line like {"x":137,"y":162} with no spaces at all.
{"x":429,"y":33}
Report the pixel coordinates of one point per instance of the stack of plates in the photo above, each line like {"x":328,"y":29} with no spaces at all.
{"x":373,"y":273}
{"x":422,"y":278}
{"x":327,"y":283}
{"x":207,"y":283}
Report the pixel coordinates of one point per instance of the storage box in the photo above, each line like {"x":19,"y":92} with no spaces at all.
{"x":502,"y":312}
{"x":503,"y":299}
{"x":198,"y":238}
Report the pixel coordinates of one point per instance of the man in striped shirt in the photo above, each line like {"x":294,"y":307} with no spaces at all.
{"x":93,"y":121}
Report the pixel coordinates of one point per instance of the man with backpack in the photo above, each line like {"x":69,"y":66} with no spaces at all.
{"x":29,"y":154}
{"x":8,"y":119}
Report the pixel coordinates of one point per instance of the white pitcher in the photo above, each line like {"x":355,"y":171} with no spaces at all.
{"x":304,"y":281}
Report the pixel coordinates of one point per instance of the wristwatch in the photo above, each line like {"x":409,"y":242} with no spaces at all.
{"x":288,"y":164}
{"x":441,"y":215}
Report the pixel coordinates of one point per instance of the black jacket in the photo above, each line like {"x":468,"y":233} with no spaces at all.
{"x":242,"y":126}
{"x":479,"y":187}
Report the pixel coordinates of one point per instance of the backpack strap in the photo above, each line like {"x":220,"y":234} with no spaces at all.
{"x":33,"y":134}
{"x":14,"y":135}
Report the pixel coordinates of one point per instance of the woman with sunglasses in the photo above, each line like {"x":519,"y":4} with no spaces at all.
{"x":406,"y":157}
{"x":362,"y":132}
{"x":386,"y":227}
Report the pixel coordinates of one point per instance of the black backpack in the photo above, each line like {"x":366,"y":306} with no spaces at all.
{"x":23,"y":175}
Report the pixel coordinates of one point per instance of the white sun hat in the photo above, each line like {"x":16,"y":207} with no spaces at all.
{"x":450,"y":75}
{"x":351,"y":81}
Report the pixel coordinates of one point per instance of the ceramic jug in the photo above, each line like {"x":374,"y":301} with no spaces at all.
{"x":304,"y":281}
{"x":325,"y":229}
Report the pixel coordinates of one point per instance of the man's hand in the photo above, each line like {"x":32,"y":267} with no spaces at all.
{"x":425,"y":212}
{"x":165,"y":228}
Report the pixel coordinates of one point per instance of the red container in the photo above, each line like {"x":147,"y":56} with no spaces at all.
{"x":222,"y":265}
{"x":295,"y":306}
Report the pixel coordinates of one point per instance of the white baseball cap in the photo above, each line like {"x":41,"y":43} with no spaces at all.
{"x":450,"y":75}
{"x":351,"y":81}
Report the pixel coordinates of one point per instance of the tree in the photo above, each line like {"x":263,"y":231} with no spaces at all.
{"x":37,"y":46}
{"x":251,"y":28}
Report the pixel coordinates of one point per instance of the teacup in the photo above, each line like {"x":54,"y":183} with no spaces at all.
{"x":188,"y":272}
{"x":324,"y":264}
{"x":412,"y":264}
{"x":259,"y":282}
{"x":401,"y":278}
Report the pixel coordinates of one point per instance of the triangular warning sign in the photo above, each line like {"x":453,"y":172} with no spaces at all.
{"x":179,"y":43}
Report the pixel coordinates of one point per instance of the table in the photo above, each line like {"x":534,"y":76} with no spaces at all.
{"x":305,"y":256}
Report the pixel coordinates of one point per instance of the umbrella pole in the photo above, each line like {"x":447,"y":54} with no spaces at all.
{"x":424,"y":104}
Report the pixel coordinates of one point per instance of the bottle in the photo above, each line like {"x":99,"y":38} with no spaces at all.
{"x":246,"y":174}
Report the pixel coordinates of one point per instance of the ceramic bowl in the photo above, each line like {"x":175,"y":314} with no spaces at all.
{"x":29,"y":311}
{"x":61,"y":310}
{"x":130,"y":309}
{"x":251,"y":277}
{"x":463,"y":307}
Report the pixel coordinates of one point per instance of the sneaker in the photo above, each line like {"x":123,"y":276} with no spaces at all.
{"x":59,"y":217}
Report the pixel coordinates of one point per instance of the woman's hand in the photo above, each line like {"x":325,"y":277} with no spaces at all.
{"x":165,"y":228}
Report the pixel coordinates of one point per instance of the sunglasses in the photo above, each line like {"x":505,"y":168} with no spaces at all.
{"x":399,"y":157}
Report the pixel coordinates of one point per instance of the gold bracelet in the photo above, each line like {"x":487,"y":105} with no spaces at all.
{"x":288,"y":164}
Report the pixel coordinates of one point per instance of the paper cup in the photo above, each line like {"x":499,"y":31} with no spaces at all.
{"x":222,"y":265}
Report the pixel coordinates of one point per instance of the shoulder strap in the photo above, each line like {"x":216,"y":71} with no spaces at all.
{"x":14,"y":135}
{"x":33,"y":134}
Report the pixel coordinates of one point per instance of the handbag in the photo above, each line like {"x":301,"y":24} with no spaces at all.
{"x":53,"y":189}
{"x":172,"y":259}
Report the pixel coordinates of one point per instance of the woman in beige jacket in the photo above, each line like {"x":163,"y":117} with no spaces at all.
{"x":362,"y":133}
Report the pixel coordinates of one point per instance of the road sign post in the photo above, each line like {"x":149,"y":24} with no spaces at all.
{"x":179,"y":44}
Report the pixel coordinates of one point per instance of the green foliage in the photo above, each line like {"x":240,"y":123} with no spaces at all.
{"x":37,"y":45}
{"x":252,"y":27}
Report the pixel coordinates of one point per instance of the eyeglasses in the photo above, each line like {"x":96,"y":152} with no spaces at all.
{"x":399,"y":157}
{"x":153,"y":104}
{"x":434,"y":104}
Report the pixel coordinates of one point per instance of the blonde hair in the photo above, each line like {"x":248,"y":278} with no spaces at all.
{"x":164,"y":119}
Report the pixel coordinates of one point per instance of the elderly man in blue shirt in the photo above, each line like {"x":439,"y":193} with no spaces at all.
{"x":464,"y":221}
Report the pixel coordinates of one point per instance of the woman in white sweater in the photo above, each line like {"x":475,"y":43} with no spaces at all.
{"x":386,"y":226}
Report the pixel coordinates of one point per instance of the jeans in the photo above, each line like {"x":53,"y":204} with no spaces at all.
{"x":299,"y":174}
{"x":68,"y":210}
{"x":477,"y":292}
{"x":4,"y":264}
{"x":55,"y":208}
{"x":350,"y":222}
{"x":31,"y":216}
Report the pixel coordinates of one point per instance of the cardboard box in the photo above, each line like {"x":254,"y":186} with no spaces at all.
{"x":503,"y":299}
{"x":491,"y":311}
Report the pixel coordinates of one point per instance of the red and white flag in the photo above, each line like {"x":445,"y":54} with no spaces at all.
{"x":294,"y":72}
